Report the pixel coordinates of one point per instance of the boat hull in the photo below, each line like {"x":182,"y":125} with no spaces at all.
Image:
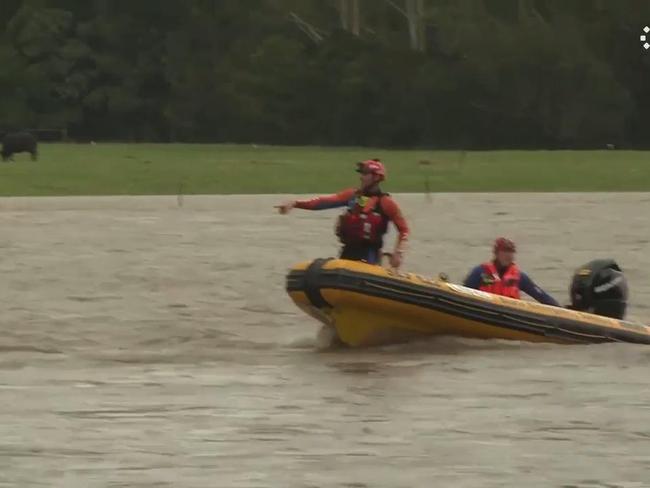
{"x":371,"y":305}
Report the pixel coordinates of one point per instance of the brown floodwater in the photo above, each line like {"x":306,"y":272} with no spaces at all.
{"x":149,"y":342}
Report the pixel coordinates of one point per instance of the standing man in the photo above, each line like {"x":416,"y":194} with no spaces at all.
{"x":361,"y":228}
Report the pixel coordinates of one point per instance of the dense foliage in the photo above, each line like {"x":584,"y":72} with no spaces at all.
{"x":438,"y":73}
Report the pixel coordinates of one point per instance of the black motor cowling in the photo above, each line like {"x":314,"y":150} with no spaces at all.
{"x":599,"y":287}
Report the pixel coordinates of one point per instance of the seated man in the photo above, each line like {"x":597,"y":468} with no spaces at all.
{"x":502,"y":276}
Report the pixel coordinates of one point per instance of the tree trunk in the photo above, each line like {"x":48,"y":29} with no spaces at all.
{"x":355,"y":27}
{"x":343,"y":12}
{"x":524,"y":9}
{"x":415,"y":19}
{"x":421,"y":32}
{"x":350,"y":14}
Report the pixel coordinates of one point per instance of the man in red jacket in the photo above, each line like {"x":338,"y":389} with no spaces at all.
{"x":502,"y":276}
{"x":361,"y":228}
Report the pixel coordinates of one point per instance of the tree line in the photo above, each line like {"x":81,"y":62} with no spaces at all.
{"x":398,"y":73}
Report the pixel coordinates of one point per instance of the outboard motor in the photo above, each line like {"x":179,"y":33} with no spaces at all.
{"x":599,"y":287}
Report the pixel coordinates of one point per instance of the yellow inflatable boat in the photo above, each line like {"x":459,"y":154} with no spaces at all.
{"x":371,"y":305}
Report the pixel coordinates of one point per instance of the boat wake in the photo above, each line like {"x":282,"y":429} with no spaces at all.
{"x":326,"y":340}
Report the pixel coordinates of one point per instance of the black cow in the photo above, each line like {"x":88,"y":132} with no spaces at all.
{"x":17,"y":142}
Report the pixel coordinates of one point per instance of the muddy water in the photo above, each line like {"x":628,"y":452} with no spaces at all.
{"x":148,"y":342}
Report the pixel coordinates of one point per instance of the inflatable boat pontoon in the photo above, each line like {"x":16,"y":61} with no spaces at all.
{"x":371,"y":305}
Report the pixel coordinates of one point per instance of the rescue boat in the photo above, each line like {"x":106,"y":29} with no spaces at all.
{"x":368,"y":305}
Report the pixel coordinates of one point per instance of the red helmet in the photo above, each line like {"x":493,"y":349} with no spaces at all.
{"x":373,"y":166}
{"x":503,"y":244}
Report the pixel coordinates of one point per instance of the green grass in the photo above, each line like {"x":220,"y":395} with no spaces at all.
{"x":145,"y":169}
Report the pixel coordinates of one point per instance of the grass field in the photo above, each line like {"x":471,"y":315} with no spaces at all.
{"x":114,"y":169}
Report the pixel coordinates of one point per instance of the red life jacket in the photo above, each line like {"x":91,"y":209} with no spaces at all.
{"x":363,"y":225}
{"x":508,"y":286}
